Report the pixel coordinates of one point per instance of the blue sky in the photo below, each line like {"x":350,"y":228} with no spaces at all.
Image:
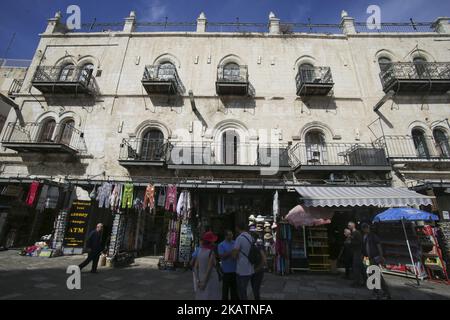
{"x":27,"y":18}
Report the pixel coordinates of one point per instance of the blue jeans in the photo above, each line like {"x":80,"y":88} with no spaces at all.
{"x":242,"y":284}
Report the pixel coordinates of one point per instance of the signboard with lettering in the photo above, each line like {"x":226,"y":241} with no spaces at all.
{"x":77,"y":224}
{"x":184,"y":254}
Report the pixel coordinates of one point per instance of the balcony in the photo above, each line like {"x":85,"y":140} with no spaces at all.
{"x":64,"y":80}
{"x":407,"y":149}
{"x":338,"y":157}
{"x":419,"y":78}
{"x":228,"y":156}
{"x":143,"y":152}
{"x":37,"y":137}
{"x":314,"y":81}
{"x":232,"y":80}
{"x":162,"y":79}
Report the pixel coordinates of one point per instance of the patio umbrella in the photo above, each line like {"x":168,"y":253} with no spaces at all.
{"x":308,"y":216}
{"x":406,"y":214}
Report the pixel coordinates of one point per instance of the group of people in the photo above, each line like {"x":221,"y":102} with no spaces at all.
{"x":224,"y":271}
{"x":356,"y":247}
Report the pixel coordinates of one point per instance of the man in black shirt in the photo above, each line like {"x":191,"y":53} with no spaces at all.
{"x":95,"y":246}
{"x":357,"y":264}
{"x":373,"y":250}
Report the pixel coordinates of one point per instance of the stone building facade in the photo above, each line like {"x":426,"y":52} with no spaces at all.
{"x":272,"y":109}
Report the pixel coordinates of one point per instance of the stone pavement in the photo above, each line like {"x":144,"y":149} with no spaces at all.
{"x":44,"y":278}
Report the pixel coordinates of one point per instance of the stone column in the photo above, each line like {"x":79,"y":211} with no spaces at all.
{"x":130,"y":23}
{"x":441,"y":25}
{"x":347,"y":23}
{"x":201,"y":23}
{"x":274,"y":24}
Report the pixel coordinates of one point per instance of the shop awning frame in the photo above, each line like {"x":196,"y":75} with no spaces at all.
{"x":343,"y":196}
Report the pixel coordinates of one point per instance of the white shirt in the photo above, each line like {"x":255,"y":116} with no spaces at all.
{"x":243,"y":265}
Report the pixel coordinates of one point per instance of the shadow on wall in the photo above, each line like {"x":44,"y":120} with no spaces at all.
{"x":238,"y":102}
{"x":320,"y":103}
{"x":52,"y":165}
{"x":166,"y":101}
{"x":70,"y":100}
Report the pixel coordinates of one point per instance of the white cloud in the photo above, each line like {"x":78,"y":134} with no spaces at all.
{"x":154,"y":11}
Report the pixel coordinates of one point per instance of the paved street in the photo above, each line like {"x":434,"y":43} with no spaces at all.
{"x":43,"y":278}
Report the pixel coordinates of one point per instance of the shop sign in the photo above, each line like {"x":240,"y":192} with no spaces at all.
{"x":445,"y":215}
{"x":77,"y":224}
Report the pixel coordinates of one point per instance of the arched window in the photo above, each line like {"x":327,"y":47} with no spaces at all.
{"x":67,"y":72}
{"x":46,"y":130}
{"x":307,"y":72}
{"x":166,"y":70}
{"x":316,"y":150}
{"x":442,"y":142}
{"x":231,"y":72}
{"x":152,"y":146}
{"x":86,"y":73}
{"x":384,"y":63}
{"x":420,"y":143}
{"x":66,"y":131}
{"x":230,"y":147}
{"x":420,"y":65}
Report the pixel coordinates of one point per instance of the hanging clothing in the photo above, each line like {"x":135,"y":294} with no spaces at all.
{"x":40,"y":206}
{"x":184,"y":205}
{"x":104,"y":194}
{"x":162,"y":197}
{"x":276,"y":206}
{"x":93,"y":194}
{"x":127,"y":196}
{"x":138,"y":203}
{"x":115,"y":197}
{"x":171,"y":198}
{"x":149,"y":197}
{"x":32,"y":193}
{"x":51,"y":202}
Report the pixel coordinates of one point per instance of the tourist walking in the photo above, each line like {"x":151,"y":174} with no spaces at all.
{"x":241,"y":251}
{"x":95,"y":246}
{"x":228,"y":265}
{"x":357,"y":256}
{"x":258,"y":276}
{"x":372,"y":249}
{"x":346,"y":255}
{"x":208,"y":284}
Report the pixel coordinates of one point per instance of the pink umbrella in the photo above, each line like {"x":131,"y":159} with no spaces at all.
{"x":308,"y":216}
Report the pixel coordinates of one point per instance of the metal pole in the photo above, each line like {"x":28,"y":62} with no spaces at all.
{"x":410,"y":253}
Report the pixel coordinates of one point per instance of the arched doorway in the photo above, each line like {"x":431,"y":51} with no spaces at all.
{"x":46,"y":130}
{"x":230,"y":147}
{"x":66,"y":132}
{"x":420,"y":143}
{"x":152,"y":145}
{"x":442,"y":142}
{"x":316,"y":149}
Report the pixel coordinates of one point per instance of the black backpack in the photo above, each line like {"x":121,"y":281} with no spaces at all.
{"x":254,"y":255}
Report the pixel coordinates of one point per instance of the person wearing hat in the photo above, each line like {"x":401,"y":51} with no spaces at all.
{"x":228,"y":264}
{"x":208,"y":284}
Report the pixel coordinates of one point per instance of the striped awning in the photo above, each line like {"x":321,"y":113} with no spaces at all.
{"x":361,"y":196}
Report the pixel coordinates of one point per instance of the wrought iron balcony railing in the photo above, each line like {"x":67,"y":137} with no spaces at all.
{"x":64,"y":79}
{"x":42,"y":137}
{"x":143,"y":150}
{"x":423,"y":148}
{"x":314,"y":81}
{"x":313,"y":155}
{"x":162,"y":79}
{"x":416,"y":77}
{"x":231,"y":155}
{"x":232,"y":80}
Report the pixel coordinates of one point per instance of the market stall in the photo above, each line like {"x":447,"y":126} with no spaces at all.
{"x":401,"y":240}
